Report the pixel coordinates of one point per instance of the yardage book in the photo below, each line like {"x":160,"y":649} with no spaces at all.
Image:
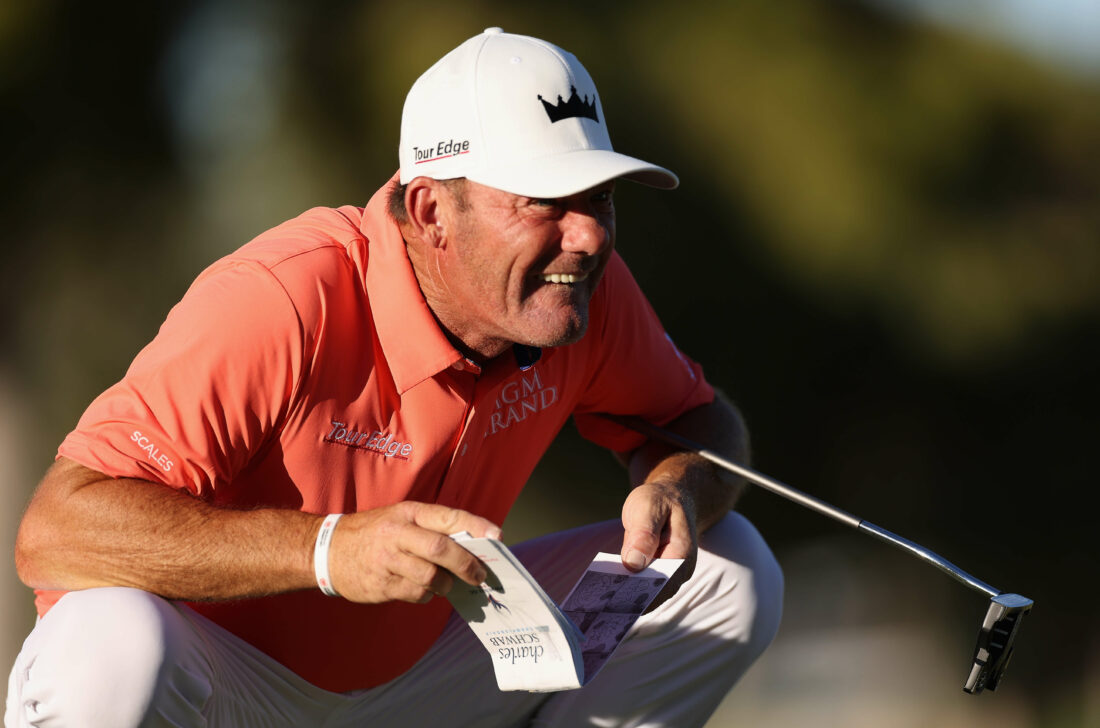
{"x":534,"y":644}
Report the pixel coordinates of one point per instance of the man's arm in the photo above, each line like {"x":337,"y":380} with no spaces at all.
{"x":677,"y":495}
{"x":83,"y":529}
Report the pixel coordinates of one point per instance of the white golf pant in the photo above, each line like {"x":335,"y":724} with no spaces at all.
{"x":122,"y":658}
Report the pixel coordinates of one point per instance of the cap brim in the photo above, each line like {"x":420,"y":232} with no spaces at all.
{"x":567,"y":174}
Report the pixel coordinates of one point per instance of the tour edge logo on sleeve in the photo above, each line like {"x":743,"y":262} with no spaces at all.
{"x":152,"y":451}
{"x":376,"y":442}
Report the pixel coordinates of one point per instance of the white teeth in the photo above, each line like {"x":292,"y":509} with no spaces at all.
{"x":563,"y":277}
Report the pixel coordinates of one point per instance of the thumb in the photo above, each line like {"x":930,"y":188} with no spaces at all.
{"x":643,"y":522}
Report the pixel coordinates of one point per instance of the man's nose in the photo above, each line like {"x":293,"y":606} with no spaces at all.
{"x":584,"y":233}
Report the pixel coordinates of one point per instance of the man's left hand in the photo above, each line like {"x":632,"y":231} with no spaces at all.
{"x":659,"y":522}
{"x":677,"y":494}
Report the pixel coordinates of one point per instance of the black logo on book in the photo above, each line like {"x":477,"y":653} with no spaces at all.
{"x":497,"y":604}
{"x":574,"y":107}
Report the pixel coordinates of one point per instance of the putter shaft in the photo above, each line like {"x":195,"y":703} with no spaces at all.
{"x":928,"y":556}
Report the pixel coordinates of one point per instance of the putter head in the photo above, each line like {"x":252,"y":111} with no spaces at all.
{"x":995,"y":639}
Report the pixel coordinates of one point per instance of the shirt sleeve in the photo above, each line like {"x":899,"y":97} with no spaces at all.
{"x":207,"y":393}
{"x":636,"y":369}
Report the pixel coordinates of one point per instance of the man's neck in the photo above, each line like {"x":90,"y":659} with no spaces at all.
{"x":480,"y":350}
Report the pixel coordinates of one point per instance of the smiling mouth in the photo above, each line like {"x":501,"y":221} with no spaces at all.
{"x":562,"y":277}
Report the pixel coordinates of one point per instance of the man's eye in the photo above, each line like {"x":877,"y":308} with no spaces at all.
{"x":545,"y":202}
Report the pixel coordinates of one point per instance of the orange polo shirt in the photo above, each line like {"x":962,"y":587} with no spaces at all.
{"x":306,"y":371}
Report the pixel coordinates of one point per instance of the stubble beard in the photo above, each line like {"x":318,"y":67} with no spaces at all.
{"x":565,"y":324}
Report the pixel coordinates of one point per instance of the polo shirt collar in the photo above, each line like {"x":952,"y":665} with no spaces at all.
{"x":414,"y":345}
{"x":526,"y":356}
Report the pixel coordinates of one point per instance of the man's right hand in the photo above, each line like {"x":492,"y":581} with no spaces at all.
{"x":83,"y":529}
{"x":404,"y":552}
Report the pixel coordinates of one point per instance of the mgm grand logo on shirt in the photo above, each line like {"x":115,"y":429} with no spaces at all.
{"x":519,"y":399}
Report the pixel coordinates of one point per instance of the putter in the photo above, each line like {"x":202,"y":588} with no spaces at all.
{"x":1002,"y":619}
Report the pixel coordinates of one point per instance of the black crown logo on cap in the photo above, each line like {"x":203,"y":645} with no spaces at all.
{"x":574,"y":107}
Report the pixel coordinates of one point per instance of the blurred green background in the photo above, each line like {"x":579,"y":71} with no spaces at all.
{"x":885,"y":248}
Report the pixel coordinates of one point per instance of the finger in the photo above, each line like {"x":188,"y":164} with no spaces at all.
{"x":680,"y":538}
{"x":403,"y":590}
{"x":681,"y":543}
{"x":643,"y":522}
{"x":413,"y":578}
{"x":442,"y":519}
{"x":639,"y":549}
{"x":434,"y":550}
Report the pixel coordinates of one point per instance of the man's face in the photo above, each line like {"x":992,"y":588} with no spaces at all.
{"x":522,"y":270}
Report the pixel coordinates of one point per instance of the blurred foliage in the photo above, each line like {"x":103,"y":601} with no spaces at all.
{"x":945,"y":183}
{"x":885,"y":245}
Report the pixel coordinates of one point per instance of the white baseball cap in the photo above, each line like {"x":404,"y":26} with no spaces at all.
{"x":515,"y":113}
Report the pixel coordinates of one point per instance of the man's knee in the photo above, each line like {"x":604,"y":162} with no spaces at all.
{"x":741,"y":574}
{"x":103,"y":657}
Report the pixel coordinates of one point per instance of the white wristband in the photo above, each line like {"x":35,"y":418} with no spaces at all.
{"x":320,"y":554}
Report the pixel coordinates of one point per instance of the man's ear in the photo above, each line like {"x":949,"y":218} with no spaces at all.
{"x":422,"y":204}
